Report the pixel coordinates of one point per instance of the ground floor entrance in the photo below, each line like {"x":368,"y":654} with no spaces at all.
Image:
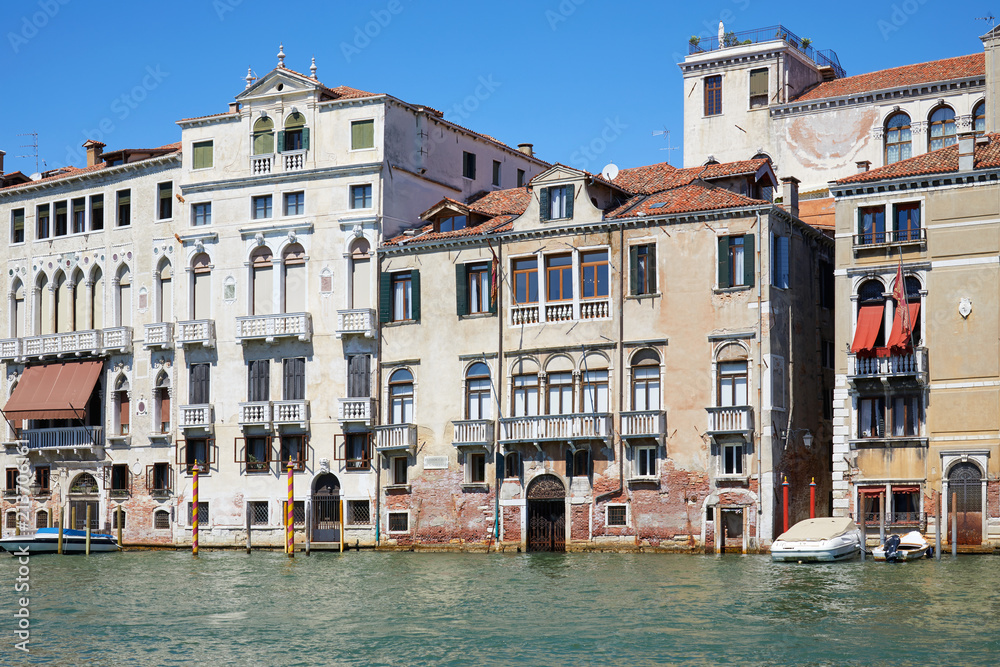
{"x":546,"y":514}
{"x":326,"y":519}
{"x":965,"y":484}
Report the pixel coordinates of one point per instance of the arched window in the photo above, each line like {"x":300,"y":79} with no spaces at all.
{"x":979,"y":118}
{"x":871,"y":314}
{"x":559,"y":381}
{"x":161,"y":404}
{"x":293,"y":288}
{"x":594,"y":384}
{"x":261,"y":281}
{"x":360,"y":274}
{"x":897,"y":138}
{"x":63,"y":295}
{"x":80,"y":316}
{"x":263,"y":136}
{"x":524,"y":389}
{"x":731,"y":376}
{"x":201,"y":287}
{"x":84,"y":483}
{"x":123,"y":412}
{"x":161,"y":520}
{"x":401,"y":397}
{"x":123,"y":298}
{"x":41,"y":519}
{"x":296,"y":134}
{"x":43,"y":305}
{"x":97,"y":301}
{"x":646,"y":380}
{"x":942,"y":129}
{"x":164,"y":293}
{"x":17,"y":310}
{"x":477,"y":392}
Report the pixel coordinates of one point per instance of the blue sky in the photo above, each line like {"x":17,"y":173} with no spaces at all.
{"x":587,"y":82}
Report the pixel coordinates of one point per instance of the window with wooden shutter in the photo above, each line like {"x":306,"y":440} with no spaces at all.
{"x":201,"y":154}
{"x":758,"y":88}
{"x":359,"y":376}
{"x":713,"y":95}
{"x":468,"y":165}
{"x":461,"y":290}
{"x":199,"y":384}
{"x":259,"y":381}
{"x":362,"y":134}
{"x":294,"y":377}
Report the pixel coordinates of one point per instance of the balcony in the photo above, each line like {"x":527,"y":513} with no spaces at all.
{"x":286,"y":413}
{"x":396,"y":438}
{"x":890,"y":238}
{"x":195,"y":332}
{"x":560,"y":311}
{"x":473,"y":433}
{"x":354,"y":410}
{"x":70,"y":437}
{"x":75,"y":343}
{"x":256,"y":413}
{"x":916,"y":520}
{"x":293,"y":160}
{"x":261,"y":164}
{"x":902,"y":366}
{"x":824,"y":58}
{"x":116,"y":339}
{"x":555,"y":427}
{"x":356,"y":321}
{"x":196,"y":416}
{"x":159,"y":335}
{"x":644,"y":424}
{"x":272,"y":327}
{"x":734,"y":419}
{"x":882,"y":440}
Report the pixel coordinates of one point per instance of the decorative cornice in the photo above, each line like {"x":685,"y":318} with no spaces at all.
{"x":920,"y":91}
{"x":366,"y":169}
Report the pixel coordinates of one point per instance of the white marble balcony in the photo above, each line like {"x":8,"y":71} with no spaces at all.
{"x":270,"y":328}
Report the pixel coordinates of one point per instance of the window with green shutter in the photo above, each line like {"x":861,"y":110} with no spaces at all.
{"x":17,"y":226}
{"x":263,"y":136}
{"x":461,"y":290}
{"x":469,"y":165}
{"x":736,"y":261}
{"x":556,"y":203}
{"x":642,"y":269}
{"x":362,"y":134}
{"x":201,"y":155}
{"x":296,"y":134}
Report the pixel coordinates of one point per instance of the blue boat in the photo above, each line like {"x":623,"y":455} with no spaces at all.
{"x":45,"y":541}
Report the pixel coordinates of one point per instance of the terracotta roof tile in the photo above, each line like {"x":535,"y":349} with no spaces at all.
{"x":658,"y":177}
{"x":684,"y":199}
{"x":512,"y":201}
{"x":66,"y":172}
{"x":941,"y":161}
{"x":907,"y":75}
{"x":424,"y":234}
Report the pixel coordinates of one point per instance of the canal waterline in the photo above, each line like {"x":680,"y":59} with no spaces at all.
{"x":367,"y":608}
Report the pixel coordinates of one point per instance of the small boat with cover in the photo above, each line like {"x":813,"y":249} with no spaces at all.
{"x":45,"y":541}
{"x":911,"y":546}
{"x":822,"y":539}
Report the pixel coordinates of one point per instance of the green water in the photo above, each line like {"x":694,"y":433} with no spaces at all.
{"x":228,"y":608}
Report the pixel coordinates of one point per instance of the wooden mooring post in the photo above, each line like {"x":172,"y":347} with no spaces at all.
{"x":249,"y":543}
{"x":87,"y":542}
{"x":119,"y":522}
{"x":937,"y":529}
{"x":954,"y":524}
{"x":59,"y":541}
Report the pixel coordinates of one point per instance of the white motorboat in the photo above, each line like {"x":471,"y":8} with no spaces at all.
{"x":818,"y":540}
{"x":45,"y":541}
{"x":911,"y":546}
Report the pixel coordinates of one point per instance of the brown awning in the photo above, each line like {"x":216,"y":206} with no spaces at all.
{"x":906,"y":489}
{"x":871,"y":490}
{"x":54,"y":391}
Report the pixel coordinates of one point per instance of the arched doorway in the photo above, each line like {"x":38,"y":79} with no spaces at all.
{"x":965,"y":485}
{"x":83,"y":493}
{"x":326,"y":508}
{"x":546,"y":514}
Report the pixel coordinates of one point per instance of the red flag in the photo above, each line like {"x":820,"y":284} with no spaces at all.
{"x":899,"y":294}
{"x":494,"y":275}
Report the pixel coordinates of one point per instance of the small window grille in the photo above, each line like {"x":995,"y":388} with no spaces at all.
{"x":114,"y":519}
{"x":41,"y":519}
{"x":358,"y":512}
{"x":258,"y":513}
{"x":617,"y":515}
{"x":161,"y":520}
{"x":399,"y":522}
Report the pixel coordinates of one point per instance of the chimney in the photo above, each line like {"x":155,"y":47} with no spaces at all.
{"x":527,"y":149}
{"x":2,"y":153}
{"x":790,"y":195}
{"x":863,"y":166}
{"x":234,"y":107}
{"x":94,"y":150}
{"x":966,"y":151}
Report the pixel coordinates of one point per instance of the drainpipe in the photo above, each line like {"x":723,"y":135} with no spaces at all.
{"x":760,"y":370}
{"x":501,"y":382}
{"x":378,"y":402}
{"x":621,"y":361}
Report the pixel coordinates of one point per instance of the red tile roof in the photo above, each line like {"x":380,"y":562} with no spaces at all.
{"x":896,"y":77}
{"x":684,"y":199}
{"x":513,"y":201}
{"x":66,"y":172}
{"x":941,"y":161}
{"x":658,"y":177}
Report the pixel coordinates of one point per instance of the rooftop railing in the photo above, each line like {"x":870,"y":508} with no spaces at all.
{"x":824,"y":58}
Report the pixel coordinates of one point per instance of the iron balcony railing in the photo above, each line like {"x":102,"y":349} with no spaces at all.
{"x":896,"y":365}
{"x":644,"y":423}
{"x":356,"y":321}
{"x":69,"y":437}
{"x":472,"y":432}
{"x":354,"y":409}
{"x":890,"y":237}
{"x":555,"y":427}
{"x":824,"y":58}
{"x":730,"y":419}
{"x":271,"y":327}
{"x":159,"y":334}
{"x":195,"y":332}
{"x":896,"y":518}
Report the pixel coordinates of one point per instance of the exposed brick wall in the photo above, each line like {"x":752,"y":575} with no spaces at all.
{"x":580,"y":526}
{"x":511,"y":524}
{"x":443,"y":512}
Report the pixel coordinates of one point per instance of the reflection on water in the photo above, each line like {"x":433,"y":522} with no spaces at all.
{"x":167,"y":608}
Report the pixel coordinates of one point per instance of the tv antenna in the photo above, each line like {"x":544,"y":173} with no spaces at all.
{"x":34,"y":146}
{"x":989,"y":18}
{"x":666,"y":134}
{"x":610,"y":172}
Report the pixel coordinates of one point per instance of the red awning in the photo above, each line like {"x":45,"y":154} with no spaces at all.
{"x":906,"y":489}
{"x":869,"y":323}
{"x":871,"y":490}
{"x":54,"y":391}
{"x":898,"y":338}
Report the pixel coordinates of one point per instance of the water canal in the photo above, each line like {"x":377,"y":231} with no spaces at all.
{"x":167,"y":608}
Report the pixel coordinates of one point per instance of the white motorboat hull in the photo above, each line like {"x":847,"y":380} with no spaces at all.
{"x":912,"y":546}
{"x":46,"y":540}
{"x":811,"y":552}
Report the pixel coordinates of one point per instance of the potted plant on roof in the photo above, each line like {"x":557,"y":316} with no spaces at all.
{"x":805,"y":43}
{"x":694,"y":41}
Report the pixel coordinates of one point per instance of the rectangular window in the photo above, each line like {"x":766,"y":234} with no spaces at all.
{"x":357,"y":451}
{"x":559,"y":277}
{"x":42,"y":221}
{"x":199,"y":384}
{"x":158,"y":478}
{"x":525,"y":397}
{"x":362,"y":134}
{"x":594,"y":385}
{"x":119,"y":479}
{"x":871,"y":225}
{"x":124,"y":208}
{"x":294,"y":378}
{"x":17,"y":226}
{"x":758,"y":88}
{"x":361,"y":196}
{"x":11,"y":480}
{"x":779,"y":261}
{"x":399,"y":522}
{"x":258,"y":511}
{"x":79,"y":215}
{"x":732,"y":384}
{"x":62,"y":219}
{"x":198,"y":451}
{"x":201,"y":152}
{"x":496,"y":173}
{"x":645,"y":461}
{"x":201,"y":214}
{"x":478,"y":288}
{"x":713,"y":95}
{"x":512,"y":465}
{"x":906,"y":415}
{"x":451,"y":223}
{"x":258,"y":380}
{"x":293,"y":451}
{"x":358,"y":513}
{"x":732,"y":459}
{"x":96,"y":212}
{"x":871,"y":417}
{"x":260,"y":207}
{"x":907,"y":222}
{"x":642,"y":260}
{"x":165,"y":201}
{"x":161,"y":520}
{"x":826,"y":285}
{"x":402,"y":296}
{"x":42,"y":479}
{"x":526,"y":280}
{"x":203,"y":513}
{"x":594,"y":274}
{"x":359,"y":375}
{"x":468,"y":164}
{"x":736,"y":261}
{"x":556,"y":203}
{"x":645,"y":387}
{"x":399,"y":469}
{"x":475,"y":468}
{"x":617,"y":515}
{"x":520,"y":178}
{"x":295,"y":203}
{"x":560,"y":393}
{"x":257,"y":454}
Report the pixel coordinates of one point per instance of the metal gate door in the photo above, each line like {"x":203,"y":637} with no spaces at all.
{"x":966,"y":486}
{"x":546,"y":525}
{"x":80,"y":507}
{"x":326,"y":519}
